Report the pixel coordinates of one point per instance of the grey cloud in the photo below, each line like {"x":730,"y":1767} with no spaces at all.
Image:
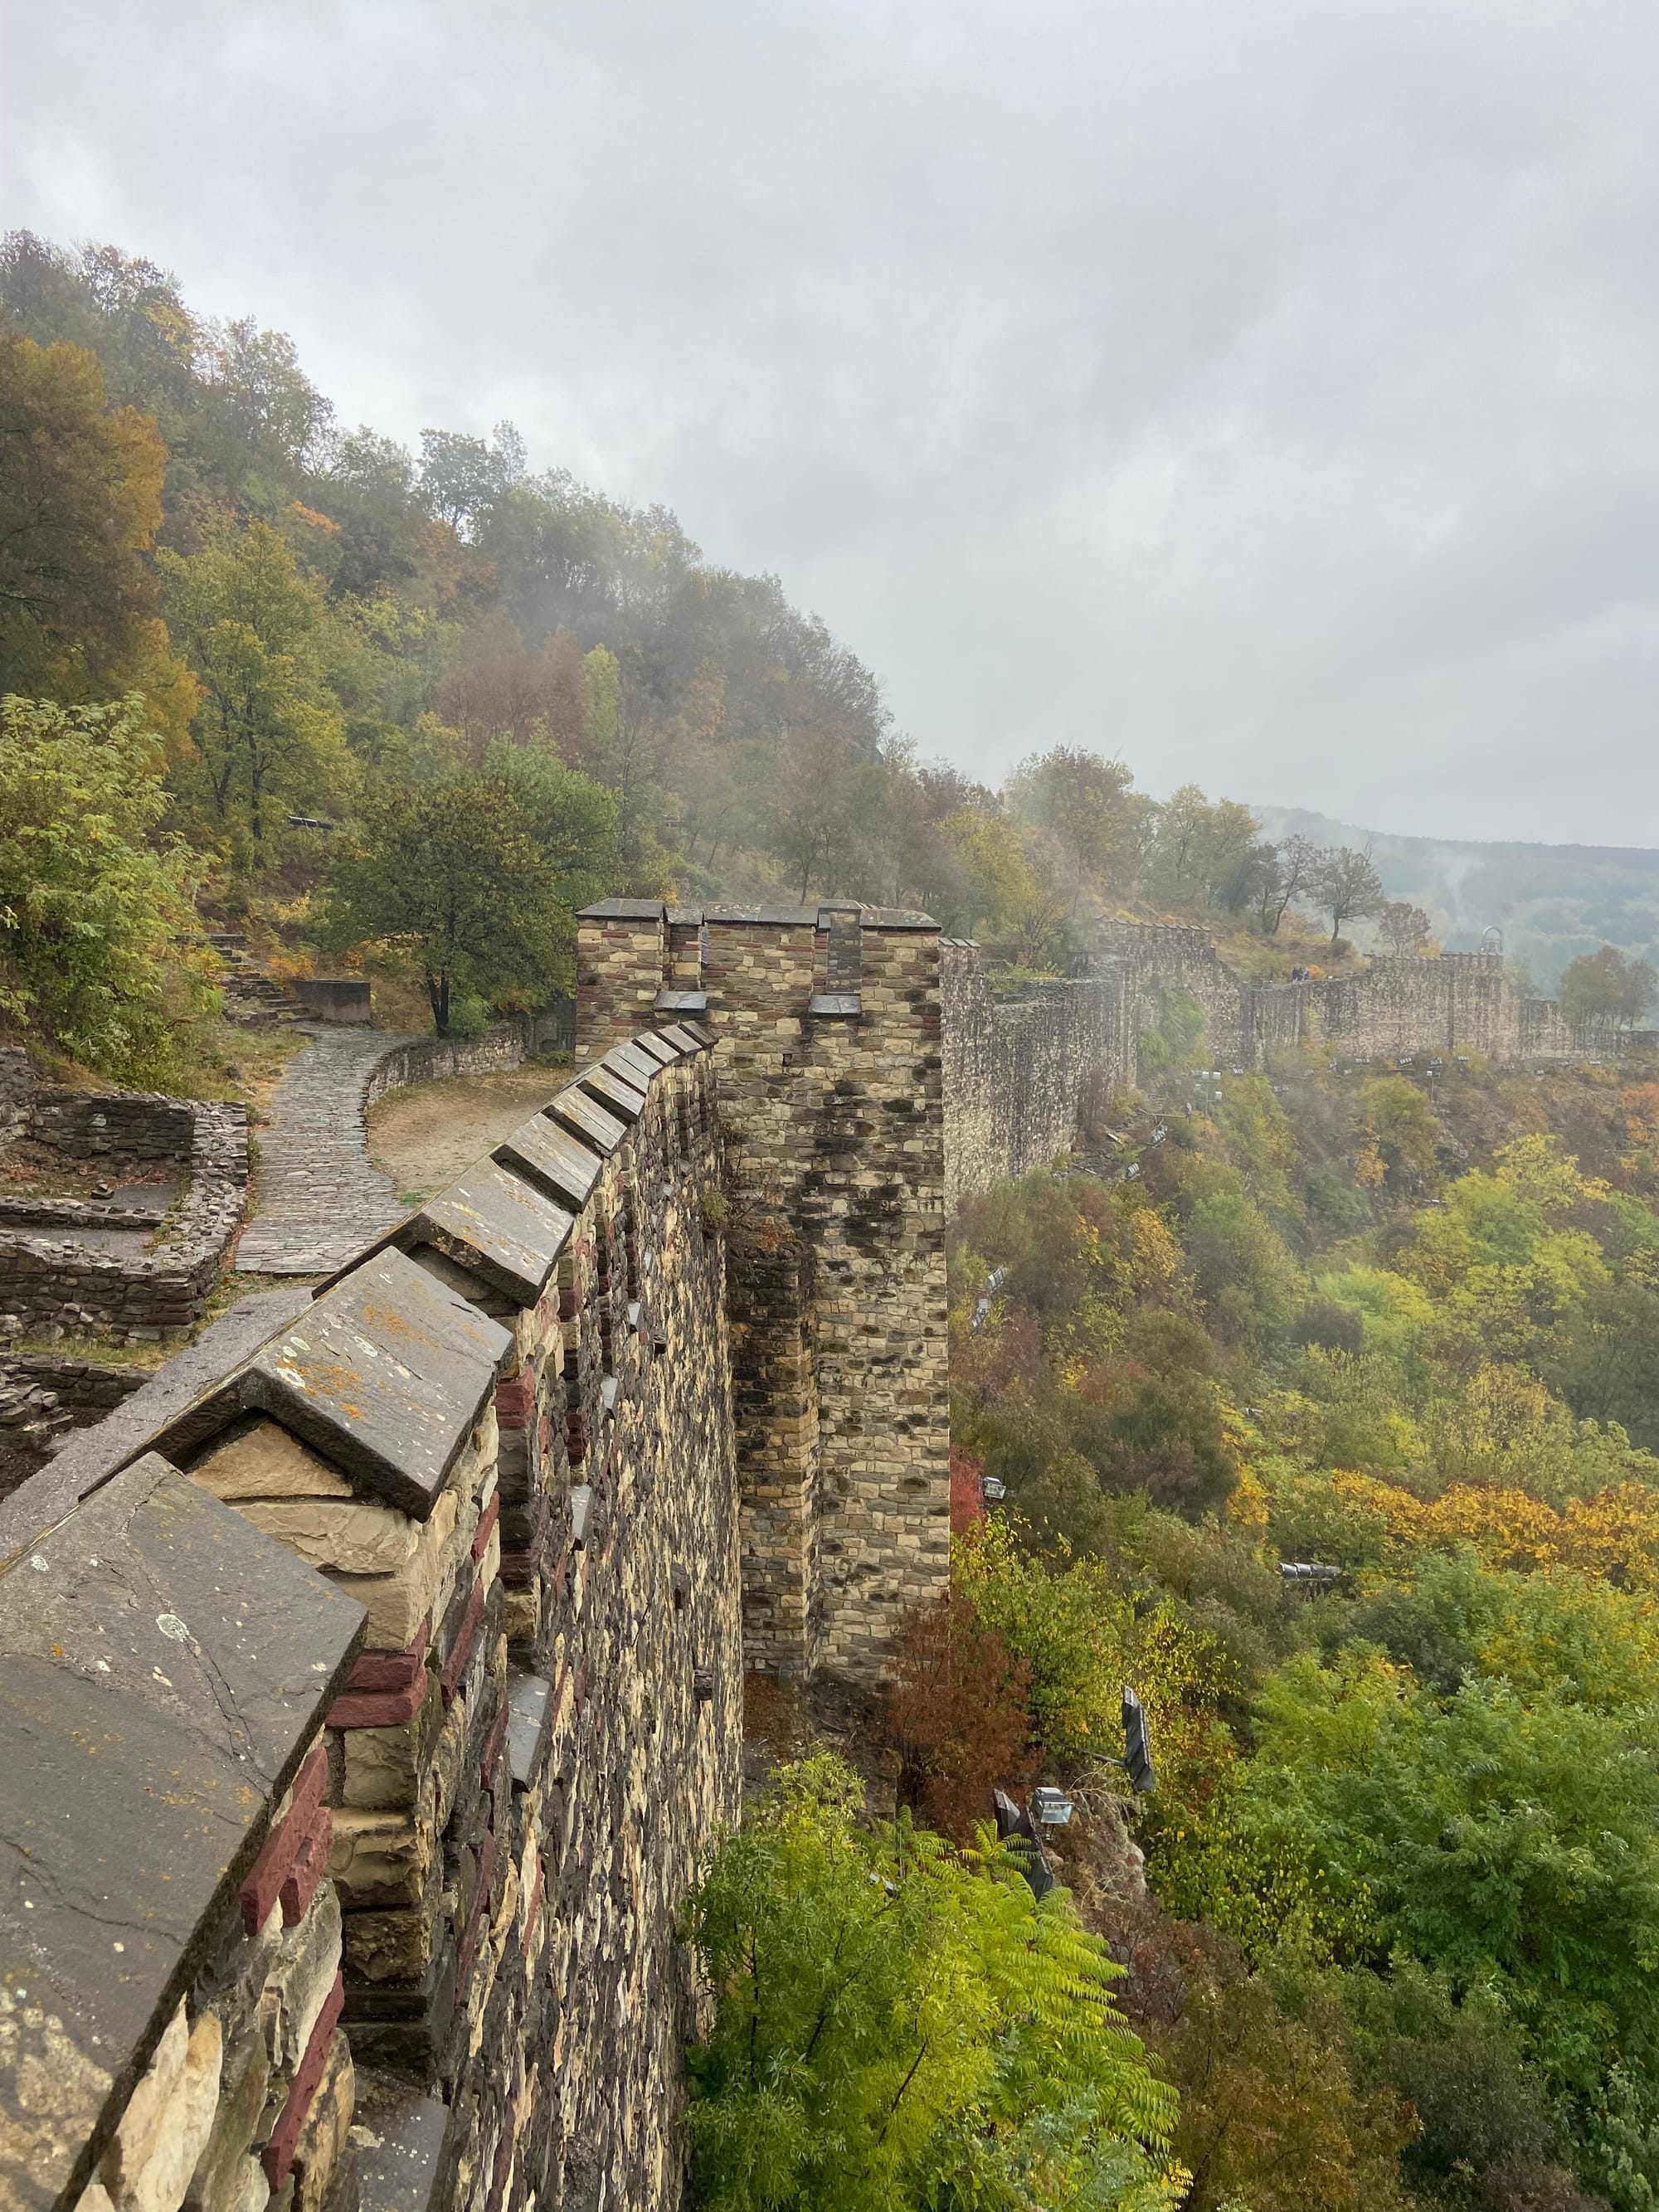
{"x":1260,"y":388}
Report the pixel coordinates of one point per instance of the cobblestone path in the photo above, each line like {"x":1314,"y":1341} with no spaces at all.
{"x":318,"y":1196}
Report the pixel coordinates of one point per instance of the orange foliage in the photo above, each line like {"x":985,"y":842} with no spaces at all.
{"x":954,"y":1710}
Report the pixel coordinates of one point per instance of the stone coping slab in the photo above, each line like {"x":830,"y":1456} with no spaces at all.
{"x":627,"y":1098}
{"x":621,"y":909}
{"x":384,"y":1375}
{"x":163,"y":1667}
{"x":764,"y":917}
{"x":93,"y":1453}
{"x":632,"y":1065}
{"x":657,"y":1048}
{"x":549,"y":1157}
{"x":499,"y":1224}
{"x":587,"y":1119}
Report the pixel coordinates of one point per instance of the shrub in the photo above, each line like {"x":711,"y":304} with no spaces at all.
{"x":954,"y":1710}
{"x":895,"y":2025}
{"x":92,"y":903}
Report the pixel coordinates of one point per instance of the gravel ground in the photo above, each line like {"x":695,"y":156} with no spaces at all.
{"x":427,"y":1135}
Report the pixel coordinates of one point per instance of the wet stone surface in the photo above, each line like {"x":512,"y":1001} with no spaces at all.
{"x":318,"y":1197}
{"x":162,"y":1669}
{"x":384,"y":1374}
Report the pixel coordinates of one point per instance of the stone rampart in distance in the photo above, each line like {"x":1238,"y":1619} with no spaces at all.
{"x":410,"y":1653}
{"x":1024,"y":1075}
{"x":825,"y":1023}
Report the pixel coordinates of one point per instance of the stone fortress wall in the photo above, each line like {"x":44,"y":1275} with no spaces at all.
{"x":363,"y":1731}
{"x":827,"y":1051}
{"x":363,"y":1734}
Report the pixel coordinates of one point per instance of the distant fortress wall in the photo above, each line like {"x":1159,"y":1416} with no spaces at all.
{"x":1025,"y":1075}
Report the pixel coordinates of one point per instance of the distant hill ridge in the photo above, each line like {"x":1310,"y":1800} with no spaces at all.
{"x":1551,"y":902}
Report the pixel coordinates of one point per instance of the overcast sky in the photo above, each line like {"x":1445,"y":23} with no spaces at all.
{"x":1266,"y":391}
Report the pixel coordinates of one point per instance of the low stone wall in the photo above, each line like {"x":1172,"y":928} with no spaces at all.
{"x":127,"y":1125}
{"x":505,"y":1044}
{"x":334,"y":999}
{"x":498,"y":1450}
{"x":42,"y":1394}
{"x":53,"y":1279}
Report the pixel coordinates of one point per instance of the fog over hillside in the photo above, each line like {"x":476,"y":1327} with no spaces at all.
{"x":1551,"y":902}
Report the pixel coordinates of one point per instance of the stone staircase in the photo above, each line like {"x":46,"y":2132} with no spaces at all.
{"x":251,"y":995}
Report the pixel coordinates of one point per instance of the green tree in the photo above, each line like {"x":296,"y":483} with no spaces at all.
{"x":1604,"y":1359}
{"x":1507,"y":1837}
{"x":897,"y":2026}
{"x":1203,"y":856}
{"x":1295,"y":865}
{"x":79,"y":506}
{"x":1605,"y":991}
{"x":269,"y":731}
{"x":1346,"y":885}
{"x":455,"y":878}
{"x":94,"y":901}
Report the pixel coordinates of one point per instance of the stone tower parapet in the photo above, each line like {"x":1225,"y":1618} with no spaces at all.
{"x":826,"y":1023}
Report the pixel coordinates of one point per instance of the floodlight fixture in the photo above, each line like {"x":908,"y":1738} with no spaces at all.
{"x":1306,"y":1570}
{"x":1138,"y":1745}
{"x":1050,"y":1807}
{"x":1014,"y":1828}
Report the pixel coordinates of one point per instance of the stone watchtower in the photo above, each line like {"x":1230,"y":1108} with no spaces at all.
{"x":826,"y":1022}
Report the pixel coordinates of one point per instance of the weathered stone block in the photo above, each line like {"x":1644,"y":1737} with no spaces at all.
{"x":300,"y":1980}
{"x":264,"y":1460}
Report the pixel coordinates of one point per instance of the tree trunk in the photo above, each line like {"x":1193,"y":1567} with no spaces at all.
{"x":437,"y":990}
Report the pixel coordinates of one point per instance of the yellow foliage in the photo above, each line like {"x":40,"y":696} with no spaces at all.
{"x":1368,"y":1168}
{"x":1154,"y":1254}
{"x":1248,"y":1506}
{"x":1541,"y":1172}
{"x":1613,"y":1533}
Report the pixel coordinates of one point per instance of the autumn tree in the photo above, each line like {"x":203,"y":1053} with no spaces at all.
{"x":79,"y":506}
{"x":1085,"y":806}
{"x":1406,"y":929}
{"x":94,"y":897}
{"x":953,"y":1711}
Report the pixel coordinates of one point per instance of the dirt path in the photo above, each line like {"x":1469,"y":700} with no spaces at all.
{"x":427,"y":1135}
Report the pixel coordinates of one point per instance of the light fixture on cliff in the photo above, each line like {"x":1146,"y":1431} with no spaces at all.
{"x":1014,"y":1828}
{"x":1307,"y":1570}
{"x":1138,"y":1745}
